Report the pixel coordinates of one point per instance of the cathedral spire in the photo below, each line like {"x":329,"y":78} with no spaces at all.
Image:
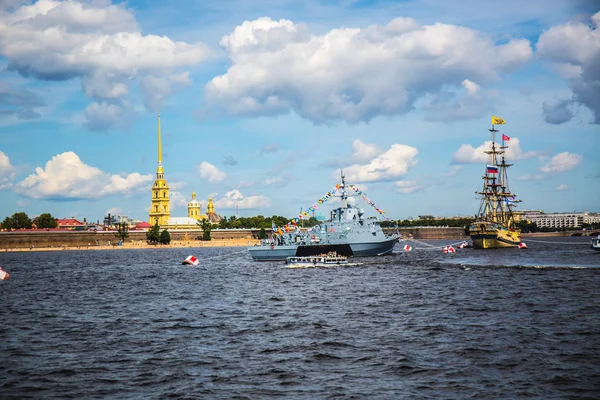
{"x":159,"y":170}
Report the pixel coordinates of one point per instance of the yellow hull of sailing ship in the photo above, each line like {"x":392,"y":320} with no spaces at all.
{"x":495,"y":238}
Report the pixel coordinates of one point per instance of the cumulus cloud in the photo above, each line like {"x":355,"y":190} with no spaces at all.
{"x":456,"y":105}
{"x":467,"y":154}
{"x":234,"y":198}
{"x":574,"y":49}
{"x":389,"y":165}
{"x":406,"y":186}
{"x":353,"y":74}
{"x":66,"y":177}
{"x":562,"y":162}
{"x":19,"y":102}
{"x":363,"y":152}
{"x":101,"y":116}
{"x":210,"y":172}
{"x":559,"y":112}
{"x":7,"y":171}
{"x":98,"y":42}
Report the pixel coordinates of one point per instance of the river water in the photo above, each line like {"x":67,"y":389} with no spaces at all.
{"x":136,"y":324}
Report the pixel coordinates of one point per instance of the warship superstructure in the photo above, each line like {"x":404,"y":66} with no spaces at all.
{"x":348,"y":233}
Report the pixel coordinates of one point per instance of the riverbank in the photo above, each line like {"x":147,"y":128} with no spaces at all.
{"x":139,"y":244}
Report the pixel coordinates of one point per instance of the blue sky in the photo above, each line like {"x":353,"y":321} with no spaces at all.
{"x":262,"y":103}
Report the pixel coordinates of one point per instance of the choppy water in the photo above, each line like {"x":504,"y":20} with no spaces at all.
{"x":135,"y":324}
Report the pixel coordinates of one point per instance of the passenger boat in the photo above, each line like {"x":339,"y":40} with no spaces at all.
{"x":494,"y":225}
{"x":322,"y":260}
{"x":596,"y":243}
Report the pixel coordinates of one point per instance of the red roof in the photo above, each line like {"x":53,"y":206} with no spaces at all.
{"x":143,"y":225}
{"x":69,"y":222}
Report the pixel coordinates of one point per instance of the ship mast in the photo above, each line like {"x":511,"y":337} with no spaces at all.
{"x":496,"y":195}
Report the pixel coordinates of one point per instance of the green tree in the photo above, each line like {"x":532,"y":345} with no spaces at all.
{"x":45,"y":220}
{"x":206,"y":227}
{"x":262,"y":234}
{"x":153,"y":234}
{"x":20,"y":220}
{"x":7,"y":223}
{"x":165,"y":237}
{"x":122,"y":231}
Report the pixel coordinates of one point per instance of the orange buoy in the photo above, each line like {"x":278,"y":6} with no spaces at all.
{"x":4,"y":275}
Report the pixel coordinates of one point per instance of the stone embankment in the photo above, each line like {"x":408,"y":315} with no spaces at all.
{"x":60,"y":239}
{"x":49,"y":239}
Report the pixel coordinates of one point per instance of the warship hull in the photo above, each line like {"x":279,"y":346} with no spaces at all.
{"x":281,"y":253}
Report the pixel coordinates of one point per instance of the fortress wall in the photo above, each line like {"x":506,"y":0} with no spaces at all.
{"x":26,"y":239}
{"x":431,"y":233}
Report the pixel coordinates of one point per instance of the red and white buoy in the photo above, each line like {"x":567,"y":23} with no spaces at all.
{"x":4,"y":275}
{"x":190,"y":260}
{"x":522,"y":245}
{"x":449,"y":249}
{"x":407,"y":248}
{"x":463,"y":245}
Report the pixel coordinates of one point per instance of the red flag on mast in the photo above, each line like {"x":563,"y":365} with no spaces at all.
{"x":504,"y":137}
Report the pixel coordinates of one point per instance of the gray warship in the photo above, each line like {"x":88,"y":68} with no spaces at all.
{"x":347,"y":232}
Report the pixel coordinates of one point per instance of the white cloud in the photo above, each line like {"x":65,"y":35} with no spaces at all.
{"x":97,"y":41}
{"x":467,"y":154}
{"x":406,"y":186}
{"x":391,"y":164}
{"x":66,"y":177}
{"x":100,"y":116}
{"x":362,"y":152}
{"x":574,"y":50}
{"x":562,"y":162}
{"x":234,"y":198}
{"x":353,"y":74}
{"x":210,"y":172}
{"x":7,"y":171}
{"x":277,"y":181}
{"x":471,"y":87}
{"x":562,"y":187}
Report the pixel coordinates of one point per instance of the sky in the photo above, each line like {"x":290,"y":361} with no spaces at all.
{"x":263,"y":103}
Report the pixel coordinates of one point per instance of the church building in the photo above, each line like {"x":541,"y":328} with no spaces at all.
{"x":159,"y":209}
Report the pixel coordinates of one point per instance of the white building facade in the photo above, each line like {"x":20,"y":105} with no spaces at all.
{"x":561,"y":220}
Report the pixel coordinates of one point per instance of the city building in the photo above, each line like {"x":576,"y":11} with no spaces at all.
{"x":573,"y":220}
{"x":71,"y":223}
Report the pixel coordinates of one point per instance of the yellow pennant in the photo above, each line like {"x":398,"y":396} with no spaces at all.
{"x":497,"y":120}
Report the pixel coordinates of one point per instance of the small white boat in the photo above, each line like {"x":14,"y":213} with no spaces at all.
{"x":330,"y":259}
{"x":596,"y":243}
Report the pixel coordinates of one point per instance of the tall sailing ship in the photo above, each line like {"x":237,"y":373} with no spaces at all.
{"x":494,"y":225}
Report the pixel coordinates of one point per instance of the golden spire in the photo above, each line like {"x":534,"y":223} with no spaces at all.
{"x":159,"y":170}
